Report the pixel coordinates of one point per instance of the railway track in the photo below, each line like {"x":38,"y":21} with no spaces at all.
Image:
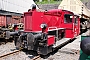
{"x":17,"y":51}
{"x":36,"y":57}
{"x":10,"y":53}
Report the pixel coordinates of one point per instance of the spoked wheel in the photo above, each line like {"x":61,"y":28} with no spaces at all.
{"x":18,"y":42}
{"x":30,"y":41}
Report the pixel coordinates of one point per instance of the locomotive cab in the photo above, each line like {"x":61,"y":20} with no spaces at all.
{"x":71,"y":23}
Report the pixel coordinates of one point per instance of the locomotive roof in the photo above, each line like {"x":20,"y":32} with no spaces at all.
{"x":54,"y":10}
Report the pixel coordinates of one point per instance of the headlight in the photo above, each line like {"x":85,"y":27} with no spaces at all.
{"x":43,"y":26}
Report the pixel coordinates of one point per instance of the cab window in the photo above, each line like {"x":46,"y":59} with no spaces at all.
{"x":68,"y":18}
{"x":76,"y":20}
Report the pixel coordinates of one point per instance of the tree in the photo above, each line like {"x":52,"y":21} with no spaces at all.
{"x":40,"y":0}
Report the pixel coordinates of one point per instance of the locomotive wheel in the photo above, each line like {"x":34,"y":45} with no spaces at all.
{"x":18,"y":43}
{"x":30,"y":41}
{"x":85,"y":45}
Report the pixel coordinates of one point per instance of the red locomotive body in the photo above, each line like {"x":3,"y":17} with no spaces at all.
{"x":45,"y":31}
{"x":53,"y":18}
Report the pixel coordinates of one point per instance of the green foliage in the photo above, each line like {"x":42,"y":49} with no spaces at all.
{"x":49,"y":2}
{"x":52,"y":0}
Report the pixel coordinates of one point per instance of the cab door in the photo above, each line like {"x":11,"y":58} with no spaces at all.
{"x":76,"y":25}
{"x":69,"y":25}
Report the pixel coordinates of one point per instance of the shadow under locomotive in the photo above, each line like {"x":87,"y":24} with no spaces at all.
{"x":31,"y":54}
{"x":4,"y":41}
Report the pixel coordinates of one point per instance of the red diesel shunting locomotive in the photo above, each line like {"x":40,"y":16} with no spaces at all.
{"x":45,"y":31}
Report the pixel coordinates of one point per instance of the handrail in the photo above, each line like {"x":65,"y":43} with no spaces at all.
{"x":51,"y":28}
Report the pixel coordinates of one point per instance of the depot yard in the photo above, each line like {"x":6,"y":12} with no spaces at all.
{"x":69,"y":51}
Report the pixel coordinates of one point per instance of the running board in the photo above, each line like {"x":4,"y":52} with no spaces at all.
{"x":61,"y":42}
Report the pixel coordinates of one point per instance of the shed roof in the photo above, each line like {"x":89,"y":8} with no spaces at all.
{"x":17,"y":6}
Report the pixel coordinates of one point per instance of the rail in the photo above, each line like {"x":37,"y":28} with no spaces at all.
{"x":36,"y":57}
{"x":16,"y":51}
{"x":7,"y":54}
